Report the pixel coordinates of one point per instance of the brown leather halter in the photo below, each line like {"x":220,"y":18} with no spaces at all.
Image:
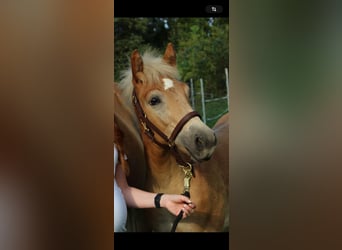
{"x":150,"y":129}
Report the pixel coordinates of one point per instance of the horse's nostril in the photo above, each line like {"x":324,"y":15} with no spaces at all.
{"x":199,"y":142}
{"x":203,"y":142}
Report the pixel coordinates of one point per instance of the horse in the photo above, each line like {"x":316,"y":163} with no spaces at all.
{"x":220,"y":161}
{"x":182,"y":153}
{"x":133,"y":147}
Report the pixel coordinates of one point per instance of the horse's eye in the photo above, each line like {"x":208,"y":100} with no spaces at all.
{"x":154,"y":100}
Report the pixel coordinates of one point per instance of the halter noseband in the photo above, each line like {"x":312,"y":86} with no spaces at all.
{"x":150,"y":129}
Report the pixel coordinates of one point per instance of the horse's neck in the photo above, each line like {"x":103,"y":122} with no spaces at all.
{"x":162,"y":164}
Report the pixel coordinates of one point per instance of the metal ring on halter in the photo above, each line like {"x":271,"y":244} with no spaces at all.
{"x":187,"y":168}
{"x":171,"y":144}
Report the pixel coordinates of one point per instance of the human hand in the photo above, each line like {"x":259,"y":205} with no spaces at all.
{"x":175,"y":203}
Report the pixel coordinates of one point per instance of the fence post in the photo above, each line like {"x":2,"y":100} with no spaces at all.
{"x":203,"y":102}
{"x":227,"y":86}
{"x":192,"y":94}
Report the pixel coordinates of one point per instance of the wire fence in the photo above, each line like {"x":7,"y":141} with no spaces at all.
{"x":214,"y":107}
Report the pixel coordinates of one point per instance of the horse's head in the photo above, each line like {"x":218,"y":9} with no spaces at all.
{"x":165,"y":102}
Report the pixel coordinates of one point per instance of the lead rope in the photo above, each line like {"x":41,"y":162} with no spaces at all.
{"x":187,"y":178}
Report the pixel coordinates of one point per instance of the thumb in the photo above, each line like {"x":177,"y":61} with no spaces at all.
{"x":186,"y":199}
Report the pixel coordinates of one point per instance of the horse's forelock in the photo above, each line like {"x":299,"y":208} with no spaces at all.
{"x":154,"y":68}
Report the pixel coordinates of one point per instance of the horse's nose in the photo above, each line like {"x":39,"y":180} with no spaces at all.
{"x":203,"y":142}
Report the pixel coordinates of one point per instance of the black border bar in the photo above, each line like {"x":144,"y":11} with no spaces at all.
{"x":171,"y":8}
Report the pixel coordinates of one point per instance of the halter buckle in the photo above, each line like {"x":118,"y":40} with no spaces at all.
{"x":146,"y":129}
{"x":171,"y":144}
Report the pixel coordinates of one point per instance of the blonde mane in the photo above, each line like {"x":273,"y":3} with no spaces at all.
{"x":154,"y":68}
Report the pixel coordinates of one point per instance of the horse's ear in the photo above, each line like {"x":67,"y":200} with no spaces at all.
{"x":137,"y":65}
{"x":170,"y":55}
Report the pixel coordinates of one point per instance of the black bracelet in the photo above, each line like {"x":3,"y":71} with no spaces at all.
{"x":157,"y":200}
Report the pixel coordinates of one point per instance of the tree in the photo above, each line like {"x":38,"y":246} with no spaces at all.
{"x":202,"y":49}
{"x":201,"y":44}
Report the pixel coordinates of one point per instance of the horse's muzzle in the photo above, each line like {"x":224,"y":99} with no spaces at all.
{"x":200,"y":142}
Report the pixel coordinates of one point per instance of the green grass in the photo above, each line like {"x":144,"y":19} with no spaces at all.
{"x":212,"y":109}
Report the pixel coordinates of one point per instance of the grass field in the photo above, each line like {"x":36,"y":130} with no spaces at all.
{"x":214,"y":110}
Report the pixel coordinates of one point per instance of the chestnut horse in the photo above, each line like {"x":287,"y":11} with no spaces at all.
{"x":182,"y":153}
